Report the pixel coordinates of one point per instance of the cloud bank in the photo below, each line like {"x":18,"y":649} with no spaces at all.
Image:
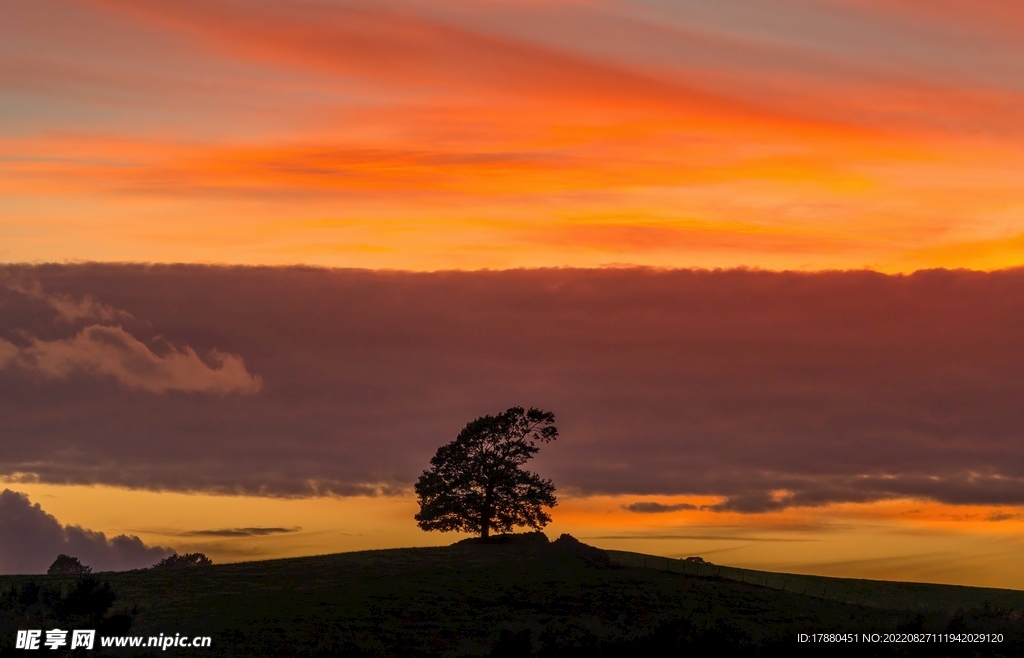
{"x":31,"y":539}
{"x":766,"y":389}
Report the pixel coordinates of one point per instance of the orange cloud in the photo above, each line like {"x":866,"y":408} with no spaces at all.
{"x":107,"y":350}
{"x":70,"y":309}
{"x":111,"y":351}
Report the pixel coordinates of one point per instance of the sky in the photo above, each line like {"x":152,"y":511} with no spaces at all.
{"x":258,"y":260}
{"x":431,"y":135}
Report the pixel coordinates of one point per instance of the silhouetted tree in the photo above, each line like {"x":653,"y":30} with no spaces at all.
{"x":476,"y":483}
{"x":66,"y":565}
{"x":187,"y":560}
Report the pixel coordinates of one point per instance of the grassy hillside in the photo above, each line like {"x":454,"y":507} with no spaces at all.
{"x":875,"y":593}
{"x":519,"y":600}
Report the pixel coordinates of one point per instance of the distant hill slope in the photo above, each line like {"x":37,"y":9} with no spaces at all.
{"x":874,"y":593}
{"x":522,"y":600}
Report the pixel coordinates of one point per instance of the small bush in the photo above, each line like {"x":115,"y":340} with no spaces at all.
{"x":65,"y":565}
{"x":183,"y":561}
{"x":88,"y":603}
{"x":591,"y":555}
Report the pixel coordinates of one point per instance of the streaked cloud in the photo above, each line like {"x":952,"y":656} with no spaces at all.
{"x":240,"y":532}
{"x":703,"y":537}
{"x":657,"y":508}
{"x":438,"y":135}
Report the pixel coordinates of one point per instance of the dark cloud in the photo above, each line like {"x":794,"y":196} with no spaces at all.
{"x":1003,"y":516}
{"x":239,"y":532}
{"x":769,"y":389}
{"x":31,"y":539}
{"x":656,"y":508}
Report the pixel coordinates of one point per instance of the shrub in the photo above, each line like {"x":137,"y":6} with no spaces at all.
{"x":66,"y":565}
{"x":182,"y":561}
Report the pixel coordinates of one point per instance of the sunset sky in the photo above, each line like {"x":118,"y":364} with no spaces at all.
{"x":757,"y":257}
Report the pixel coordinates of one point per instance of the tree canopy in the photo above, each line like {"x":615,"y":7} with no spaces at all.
{"x":477,"y":484}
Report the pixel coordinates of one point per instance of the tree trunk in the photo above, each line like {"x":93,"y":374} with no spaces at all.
{"x":488,"y":511}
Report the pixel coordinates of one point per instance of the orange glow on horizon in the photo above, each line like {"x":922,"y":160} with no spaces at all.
{"x":894,"y":539}
{"x":421,"y":211}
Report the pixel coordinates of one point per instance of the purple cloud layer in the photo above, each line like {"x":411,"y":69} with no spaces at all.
{"x":836,"y":386}
{"x":31,"y":539}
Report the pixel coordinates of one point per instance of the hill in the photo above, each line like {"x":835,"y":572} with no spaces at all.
{"x":874,"y":593}
{"x":540,"y":599}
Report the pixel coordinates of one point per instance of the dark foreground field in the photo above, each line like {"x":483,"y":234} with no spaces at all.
{"x":557,"y":599}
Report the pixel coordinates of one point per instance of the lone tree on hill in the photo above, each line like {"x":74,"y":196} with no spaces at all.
{"x":476,"y":483}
